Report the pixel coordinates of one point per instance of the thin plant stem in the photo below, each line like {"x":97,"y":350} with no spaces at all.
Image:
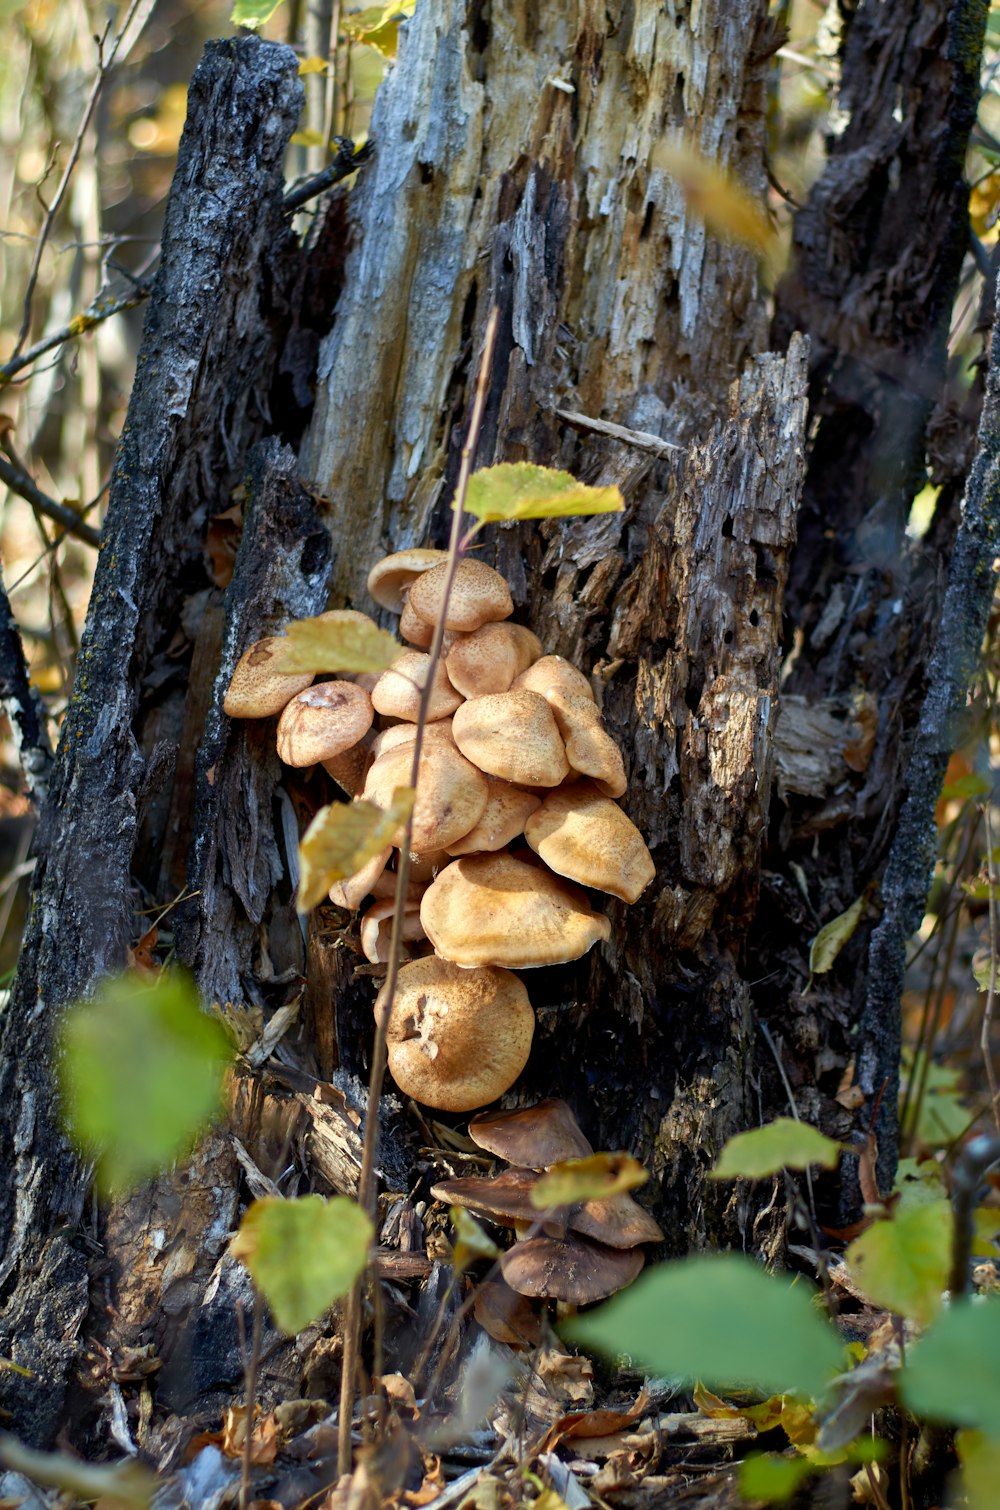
{"x":251,"y":1383}
{"x":986,"y":1035}
{"x":366,"y":1179}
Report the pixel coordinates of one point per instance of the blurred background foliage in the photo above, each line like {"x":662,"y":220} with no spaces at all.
{"x":61,"y":413}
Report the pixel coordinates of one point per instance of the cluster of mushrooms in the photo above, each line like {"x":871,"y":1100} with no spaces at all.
{"x":514,"y":754}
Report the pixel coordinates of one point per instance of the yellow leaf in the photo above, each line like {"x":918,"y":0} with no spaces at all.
{"x":471,"y":1242}
{"x":343,"y":837}
{"x":313,"y":65}
{"x":519,"y":490}
{"x":832,"y":937}
{"x":593,"y":1178}
{"x":347,"y":645}
{"x":378,"y":26}
{"x":308,"y":138}
{"x":718,"y":198}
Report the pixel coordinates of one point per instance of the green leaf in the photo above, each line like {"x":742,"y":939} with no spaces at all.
{"x":141,"y":1069}
{"x":832,"y":937}
{"x":919,"y":1183}
{"x":979,"y":1456}
{"x":378,"y":26}
{"x":518,"y":490}
{"x":986,"y":1230}
{"x":342,"y":838}
{"x":903,"y":1264}
{"x":303,"y":1254}
{"x":719,"y":1318}
{"x":771,"y":1476}
{"x":971,"y":785}
{"x":593,"y":1178}
{"x":942,"y":1116}
{"x":253,"y":13}
{"x":347,"y":645}
{"x":782,"y":1144}
{"x":471,"y":1242}
{"x":951,"y":1374}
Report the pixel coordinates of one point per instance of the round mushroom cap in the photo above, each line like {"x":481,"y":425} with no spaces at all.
{"x":589,"y":747}
{"x":451,"y":793}
{"x":532,"y":1136}
{"x":388,"y":580}
{"x":503,"y":819}
{"x":376,"y":930}
{"x":255,"y":690}
{"x":479,"y":595}
{"x":405,"y":734}
{"x":506,"y":1198}
{"x":457,"y":1039}
{"x":553,"y":673}
{"x":498,"y":910}
{"x":351,"y":892}
{"x":570,"y":1268}
{"x":513,"y":735}
{"x":413,"y":629}
{"x":323,"y":721}
{"x":489,"y":659}
{"x":397,"y":692}
{"x":618,"y":1221}
{"x":585,"y":836}
{"x":350,"y":767}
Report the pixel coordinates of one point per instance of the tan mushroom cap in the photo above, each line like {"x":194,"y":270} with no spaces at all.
{"x":489,"y":659}
{"x":397,"y":692}
{"x":532,"y":1136}
{"x":405,"y":734}
{"x":255,"y":691}
{"x":322,"y":722}
{"x":393,"y":575}
{"x":376,"y":930}
{"x":569,"y":1269}
{"x":479,"y":595}
{"x":451,"y":793}
{"x":425,"y":864}
{"x":413,"y":629}
{"x":590,"y":749}
{"x":457,"y":1039}
{"x":498,"y":910}
{"x":513,"y":735}
{"x":350,"y":767}
{"x":553,"y":673}
{"x":504,"y":816}
{"x":586,"y":837}
{"x":351,"y":892}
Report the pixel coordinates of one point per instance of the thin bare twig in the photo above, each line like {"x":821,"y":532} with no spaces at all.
{"x":19,"y":482}
{"x":246,"y":1465}
{"x":366,"y":1180}
{"x":97,"y":312}
{"x":104,"y":66}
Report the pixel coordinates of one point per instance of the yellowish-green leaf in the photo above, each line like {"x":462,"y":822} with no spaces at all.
{"x":342,"y":838}
{"x":593,"y":1178}
{"x":986,"y":1230}
{"x":313,"y":65}
{"x":308,"y":138}
{"x":832,"y":937}
{"x":141,"y":1070}
{"x":324,"y":645}
{"x":919,"y":1182}
{"x":903,"y":1263}
{"x":729,"y":211}
{"x":979,"y":1456}
{"x":378,"y":25}
{"x":519,"y":490}
{"x":782,"y":1144}
{"x":125,"y":1485}
{"x":951,"y":1374}
{"x":548,"y":1500}
{"x":303,"y":1254}
{"x":772,"y":1477}
{"x":471,"y":1242}
{"x":253,"y":13}
{"x":797,"y":1420}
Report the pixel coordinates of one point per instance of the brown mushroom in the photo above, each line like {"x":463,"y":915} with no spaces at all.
{"x":489,"y":659}
{"x":257,"y":691}
{"x":322,"y":722}
{"x":415,"y":630}
{"x":505,"y":1315}
{"x":351,"y":892}
{"x":553,"y":673}
{"x":393,"y":575}
{"x":451,"y":793}
{"x":457,"y":1039}
{"x":513,"y":735}
{"x":479,"y":595}
{"x":376,"y":930}
{"x":570,"y":1269}
{"x":405,"y":734}
{"x":505,"y":1199}
{"x":618,"y":1221}
{"x":397,"y":692}
{"x":503,"y":819}
{"x":532,"y":1136}
{"x":499,"y":910}
{"x":349,"y":768}
{"x":587,"y":837}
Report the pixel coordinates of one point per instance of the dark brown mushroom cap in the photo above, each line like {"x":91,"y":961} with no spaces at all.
{"x":569,"y":1269}
{"x":618,"y":1221}
{"x":506,"y":1199}
{"x":505,"y":1315}
{"x":533,"y":1136}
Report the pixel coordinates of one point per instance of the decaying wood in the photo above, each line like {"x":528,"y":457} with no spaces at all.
{"x":199,"y":400}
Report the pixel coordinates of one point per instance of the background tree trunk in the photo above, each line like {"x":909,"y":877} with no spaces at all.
{"x":494,"y":185}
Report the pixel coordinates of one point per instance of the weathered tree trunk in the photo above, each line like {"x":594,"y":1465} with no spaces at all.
{"x":513,"y":167}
